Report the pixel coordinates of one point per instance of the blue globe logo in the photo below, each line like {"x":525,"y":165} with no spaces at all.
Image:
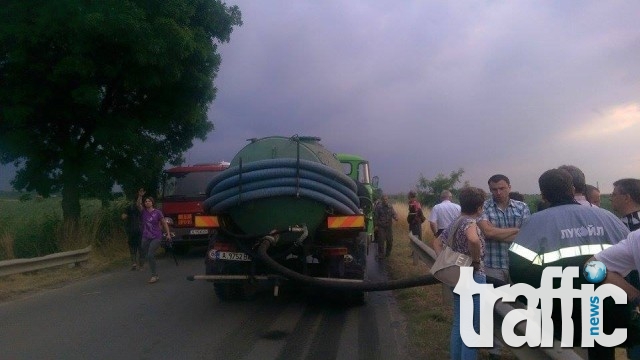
{"x":594,"y":271}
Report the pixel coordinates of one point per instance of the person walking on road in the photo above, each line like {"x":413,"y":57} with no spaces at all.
{"x":153,"y":223}
{"x":133,"y":227}
{"x":383,"y":217}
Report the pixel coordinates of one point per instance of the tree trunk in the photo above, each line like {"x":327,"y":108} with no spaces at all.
{"x":70,"y":193}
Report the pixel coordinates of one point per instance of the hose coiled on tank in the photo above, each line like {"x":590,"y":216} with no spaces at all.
{"x":282,"y":177}
{"x":284,"y":163}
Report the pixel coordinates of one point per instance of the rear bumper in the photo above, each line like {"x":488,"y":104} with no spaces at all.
{"x":270,"y":277}
{"x":224,"y":270}
{"x":183,"y":236}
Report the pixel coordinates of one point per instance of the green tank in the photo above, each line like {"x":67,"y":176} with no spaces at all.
{"x":282,"y":182}
{"x":273,"y":147}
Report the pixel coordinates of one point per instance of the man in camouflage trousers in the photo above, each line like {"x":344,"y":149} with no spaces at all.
{"x":383,"y":216}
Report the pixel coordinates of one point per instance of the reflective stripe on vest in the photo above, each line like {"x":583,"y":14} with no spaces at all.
{"x":552,"y":256}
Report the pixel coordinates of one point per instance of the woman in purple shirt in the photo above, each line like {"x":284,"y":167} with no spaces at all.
{"x":152,"y":224}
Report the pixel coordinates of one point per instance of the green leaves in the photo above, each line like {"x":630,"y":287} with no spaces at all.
{"x":96,"y":91}
{"x":429,"y":190}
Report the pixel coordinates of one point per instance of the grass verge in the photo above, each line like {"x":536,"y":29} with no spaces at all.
{"x":102,"y":259}
{"x":428,"y":316}
{"x":428,"y":312}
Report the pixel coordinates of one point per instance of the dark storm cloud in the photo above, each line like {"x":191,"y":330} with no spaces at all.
{"x":426,"y":87}
{"x":429,"y":87}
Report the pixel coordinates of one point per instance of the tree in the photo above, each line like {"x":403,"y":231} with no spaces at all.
{"x":429,"y":190}
{"x":102,"y":92}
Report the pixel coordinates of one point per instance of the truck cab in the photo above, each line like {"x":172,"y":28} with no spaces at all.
{"x":183,"y":192}
{"x":357,"y":168}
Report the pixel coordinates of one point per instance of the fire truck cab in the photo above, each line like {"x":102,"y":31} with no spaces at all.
{"x":183,"y":192}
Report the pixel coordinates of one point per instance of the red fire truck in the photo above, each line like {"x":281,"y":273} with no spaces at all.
{"x":183,"y":191}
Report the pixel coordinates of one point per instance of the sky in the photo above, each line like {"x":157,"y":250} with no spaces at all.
{"x":428,"y":87}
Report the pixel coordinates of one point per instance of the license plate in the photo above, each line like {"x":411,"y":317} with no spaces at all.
{"x":232,"y":256}
{"x":199,"y":231}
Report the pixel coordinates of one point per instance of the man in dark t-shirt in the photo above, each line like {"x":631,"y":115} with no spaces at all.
{"x":133,"y":227}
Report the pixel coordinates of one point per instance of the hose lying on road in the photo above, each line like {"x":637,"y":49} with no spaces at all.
{"x":339,"y":284}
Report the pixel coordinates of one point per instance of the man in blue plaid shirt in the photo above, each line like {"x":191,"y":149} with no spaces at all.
{"x":500,"y":222}
{"x":501,"y":219}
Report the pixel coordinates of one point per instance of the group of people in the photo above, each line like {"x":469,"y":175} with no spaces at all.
{"x":384,"y":214}
{"x":144,"y":227}
{"x":509,"y":244}
{"x":485,"y":233}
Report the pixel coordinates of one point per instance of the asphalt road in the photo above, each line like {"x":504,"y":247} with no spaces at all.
{"x":119,"y":316}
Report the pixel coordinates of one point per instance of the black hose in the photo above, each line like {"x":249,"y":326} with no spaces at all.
{"x":338,"y":284}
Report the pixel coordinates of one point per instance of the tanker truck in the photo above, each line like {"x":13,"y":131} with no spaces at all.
{"x":287,"y":205}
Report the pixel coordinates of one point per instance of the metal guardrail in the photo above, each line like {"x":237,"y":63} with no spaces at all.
{"x":422,"y":252}
{"x":16,"y":266}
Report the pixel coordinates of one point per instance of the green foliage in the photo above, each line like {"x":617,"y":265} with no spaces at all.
{"x":99,"y":92}
{"x":605,"y":201}
{"x":35,"y":228}
{"x":33,"y":241}
{"x":428,"y":191}
{"x":107,"y":222}
{"x":532,"y":201}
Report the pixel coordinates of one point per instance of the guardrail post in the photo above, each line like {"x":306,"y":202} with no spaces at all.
{"x":447,"y":294}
